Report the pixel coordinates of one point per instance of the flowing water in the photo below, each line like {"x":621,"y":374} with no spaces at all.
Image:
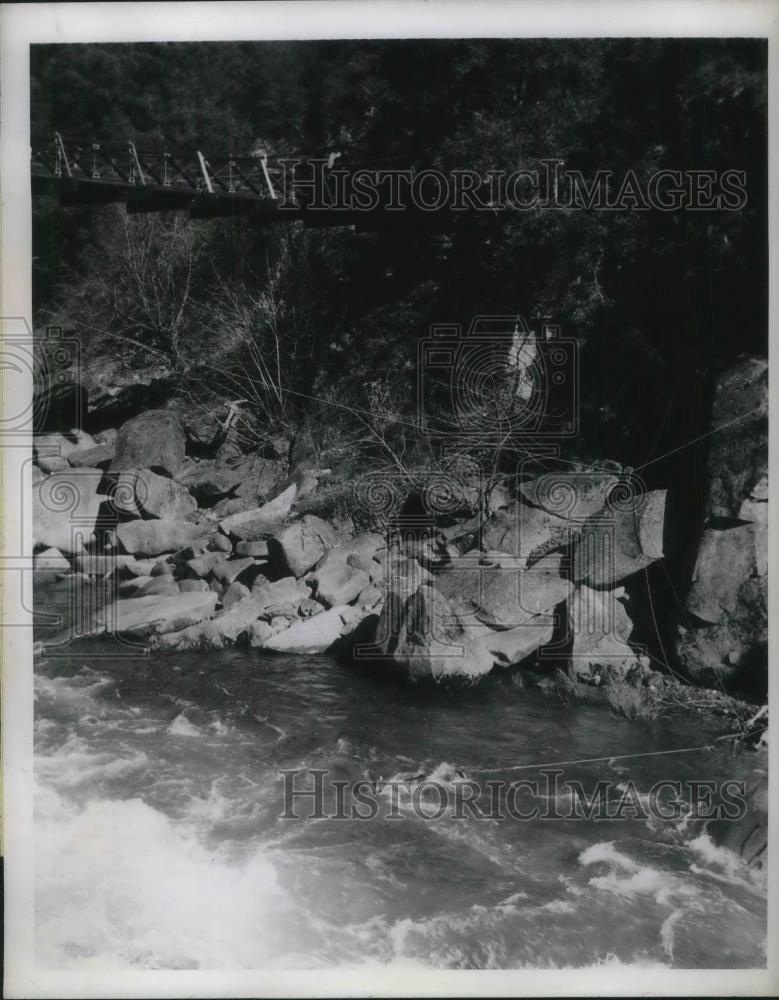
{"x":160,"y":842}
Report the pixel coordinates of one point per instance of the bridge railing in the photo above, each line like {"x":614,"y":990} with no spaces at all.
{"x":125,"y":164}
{"x":267,"y":188}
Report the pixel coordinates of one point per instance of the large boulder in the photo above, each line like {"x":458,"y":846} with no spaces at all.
{"x":338,"y":583}
{"x":52,"y":463}
{"x":755,"y":510}
{"x":51,"y":561}
{"x":141,"y":617}
{"x":424,"y":637}
{"x":65,"y":509}
{"x":370,"y":598}
{"x":312,"y":635}
{"x":504,"y":598}
{"x":259,"y":477}
{"x":211,"y":480}
{"x":133,"y":586}
{"x":624,"y":538}
{"x":402,"y":575}
{"x":234,"y":594}
{"x":221,"y":543}
{"x":510,"y":646}
{"x":372,"y":567}
{"x":228,"y":570}
{"x":300,"y":545}
{"x":366,"y":546}
{"x":287,"y":593}
{"x":262,"y":520}
{"x":99,"y":457}
{"x":165,"y":566}
{"x":153,"y":440}
{"x":728,"y":634}
{"x":223,"y":630}
{"x":204,"y":426}
{"x":203,"y":565}
{"x":159,"y":585}
{"x":152,"y":538}
{"x":138,"y":567}
{"x":574,"y":496}
{"x":107,"y":436}
{"x":64,"y":445}
{"x":738,"y":451}
{"x":143,"y":492}
{"x":92,"y":565}
{"x":344,"y":571}
{"x":526,"y":532}
{"x":600,"y":627}
{"x":726,"y":563}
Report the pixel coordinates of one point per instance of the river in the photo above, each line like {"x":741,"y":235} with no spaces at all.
{"x":160,"y":842}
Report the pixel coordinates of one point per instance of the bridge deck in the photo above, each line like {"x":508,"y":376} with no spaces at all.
{"x":82,"y":173}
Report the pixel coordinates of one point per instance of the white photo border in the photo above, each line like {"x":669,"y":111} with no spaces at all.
{"x":24,"y":24}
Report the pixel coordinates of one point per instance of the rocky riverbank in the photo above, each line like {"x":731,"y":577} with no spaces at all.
{"x":206,"y":543}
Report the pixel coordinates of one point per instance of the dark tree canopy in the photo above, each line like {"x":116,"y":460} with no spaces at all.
{"x":659,"y":302}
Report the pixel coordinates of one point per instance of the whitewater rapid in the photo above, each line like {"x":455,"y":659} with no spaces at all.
{"x":158,"y":843}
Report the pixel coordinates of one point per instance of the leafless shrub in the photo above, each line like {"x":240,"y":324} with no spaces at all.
{"x":138,"y":281}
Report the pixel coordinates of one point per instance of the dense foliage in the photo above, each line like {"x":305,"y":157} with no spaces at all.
{"x":659,"y":302}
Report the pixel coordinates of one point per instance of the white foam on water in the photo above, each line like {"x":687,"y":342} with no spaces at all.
{"x":559,"y":906}
{"x":605,"y":851}
{"x":219,"y":728}
{"x":181,"y":726}
{"x":667,"y":932}
{"x":514,"y":898}
{"x":118,"y":885}
{"x":726,"y":866}
{"x":627,"y":877}
{"x":73,"y":765}
{"x":121,"y":884}
{"x":712,"y":854}
{"x":225,"y":802}
{"x":73,"y":696}
{"x":645,"y":882}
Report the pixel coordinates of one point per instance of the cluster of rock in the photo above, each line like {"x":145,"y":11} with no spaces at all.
{"x":210,"y":551}
{"x":123,"y":507}
{"x":529,"y":588}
